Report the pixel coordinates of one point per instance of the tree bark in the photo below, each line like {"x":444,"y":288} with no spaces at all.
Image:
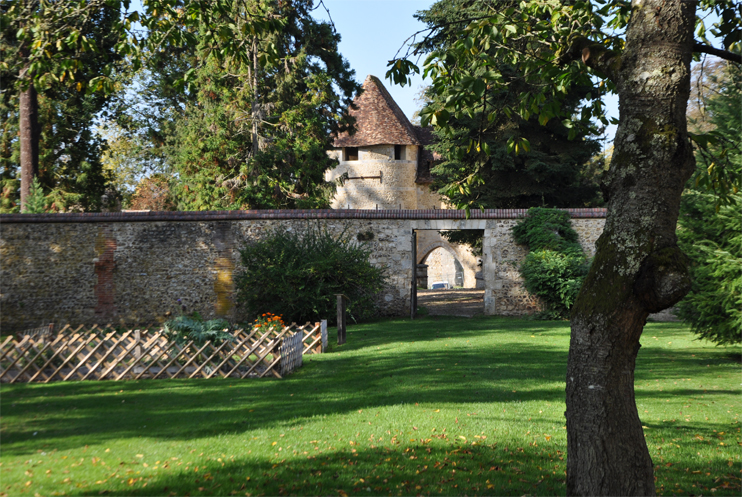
{"x":255,"y":114}
{"x":29,"y":131}
{"x":638,"y":268}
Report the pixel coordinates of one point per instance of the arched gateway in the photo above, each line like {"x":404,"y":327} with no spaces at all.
{"x":140,"y":267}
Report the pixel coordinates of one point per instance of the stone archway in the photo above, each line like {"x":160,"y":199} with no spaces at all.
{"x":443,"y":266}
{"x":430,"y":240}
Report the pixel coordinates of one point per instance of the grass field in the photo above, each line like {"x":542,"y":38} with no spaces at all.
{"x":436,"y":406}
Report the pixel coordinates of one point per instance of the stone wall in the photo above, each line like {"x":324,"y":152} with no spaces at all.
{"x":133,"y":268}
{"x":504,"y":291}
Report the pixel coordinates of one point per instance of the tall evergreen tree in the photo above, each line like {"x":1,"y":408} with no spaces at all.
{"x":709,"y":233}
{"x":257,"y":134}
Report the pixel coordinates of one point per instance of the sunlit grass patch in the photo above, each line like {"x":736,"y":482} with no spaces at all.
{"x":436,"y":406}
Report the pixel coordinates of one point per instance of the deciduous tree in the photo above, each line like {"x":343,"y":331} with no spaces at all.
{"x":49,"y":44}
{"x":549,"y":174}
{"x":47,"y":109}
{"x":641,"y":50}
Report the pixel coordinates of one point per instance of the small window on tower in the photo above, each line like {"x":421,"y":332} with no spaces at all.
{"x":399,"y":152}
{"x":351,"y":153}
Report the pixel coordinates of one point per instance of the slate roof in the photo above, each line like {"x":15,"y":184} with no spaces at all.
{"x":379,"y":120}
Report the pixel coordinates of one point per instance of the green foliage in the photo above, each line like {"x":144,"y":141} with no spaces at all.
{"x":719,"y":150}
{"x":183,"y":329}
{"x":713,"y":242}
{"x":35,"y":203}
{"x":556,"y":278}
{"x":547,"y":229}
{"x":298,"y":276}
{"x":70,"y":170}
{"x":253,"y":134}
{"x":710,"y":222}
{"x":9,"y":195}
{"x":535,"y":47}
{"x":555,"y":266}
{"x":72,"y":53}
{"x":488,"y":174}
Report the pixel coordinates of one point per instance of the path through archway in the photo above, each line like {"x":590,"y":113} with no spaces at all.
{"x":447,"y":282}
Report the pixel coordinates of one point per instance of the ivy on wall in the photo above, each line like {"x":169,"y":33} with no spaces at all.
{"x":555,"y":266}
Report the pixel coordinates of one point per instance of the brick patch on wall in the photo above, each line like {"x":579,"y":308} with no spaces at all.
{"x":105,"y":264}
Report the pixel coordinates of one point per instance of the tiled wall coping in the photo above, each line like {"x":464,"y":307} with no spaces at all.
{"x":119,"y":217}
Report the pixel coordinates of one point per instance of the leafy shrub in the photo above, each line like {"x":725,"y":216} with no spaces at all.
{"x":185,"y":328}
{"x":555,"y":266}
{"x":555,"y":278}
{"x":547,"y":229}
{"x":298,"y":275}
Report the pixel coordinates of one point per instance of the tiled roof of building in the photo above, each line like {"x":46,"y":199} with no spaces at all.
{"x":379,"y":120}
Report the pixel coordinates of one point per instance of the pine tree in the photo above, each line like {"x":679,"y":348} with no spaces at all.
{"x":712,"y":238}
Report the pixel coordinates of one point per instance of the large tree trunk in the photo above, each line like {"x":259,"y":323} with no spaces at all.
{"x":638,"y":267}
{"x":29,"y":130}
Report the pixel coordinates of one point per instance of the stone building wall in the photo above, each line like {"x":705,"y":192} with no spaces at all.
{"x":132,"y":268}
{"x":441,"y":267}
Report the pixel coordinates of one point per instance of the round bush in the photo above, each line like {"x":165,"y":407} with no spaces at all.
{"x":298,"y":276}
{"x":556,"y":266}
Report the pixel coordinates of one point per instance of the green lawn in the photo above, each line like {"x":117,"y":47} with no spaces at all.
{"x":436,"y":406}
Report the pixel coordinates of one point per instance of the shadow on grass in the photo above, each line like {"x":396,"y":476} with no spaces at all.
{"x":333,"y":384}
{"x":420,"y":468}
{"x":406,"y":469}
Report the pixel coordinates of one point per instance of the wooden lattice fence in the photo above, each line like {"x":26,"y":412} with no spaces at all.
{"x":98,"y":353}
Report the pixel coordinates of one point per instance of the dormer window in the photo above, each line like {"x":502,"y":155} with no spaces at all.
{"x":351,"y":153}
{"x":399,"y":152}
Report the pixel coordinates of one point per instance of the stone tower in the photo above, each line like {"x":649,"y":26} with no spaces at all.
{"x":387,"y":166}
{"x":385,"y":161}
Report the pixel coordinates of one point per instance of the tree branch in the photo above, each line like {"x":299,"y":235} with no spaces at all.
{"x":722,"y":54}
{"x":593,"y":54}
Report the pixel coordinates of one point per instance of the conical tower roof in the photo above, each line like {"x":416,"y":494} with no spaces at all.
{"x":379,"y":120}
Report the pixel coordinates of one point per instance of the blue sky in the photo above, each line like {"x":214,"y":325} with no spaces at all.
{"x":372,"y":31}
